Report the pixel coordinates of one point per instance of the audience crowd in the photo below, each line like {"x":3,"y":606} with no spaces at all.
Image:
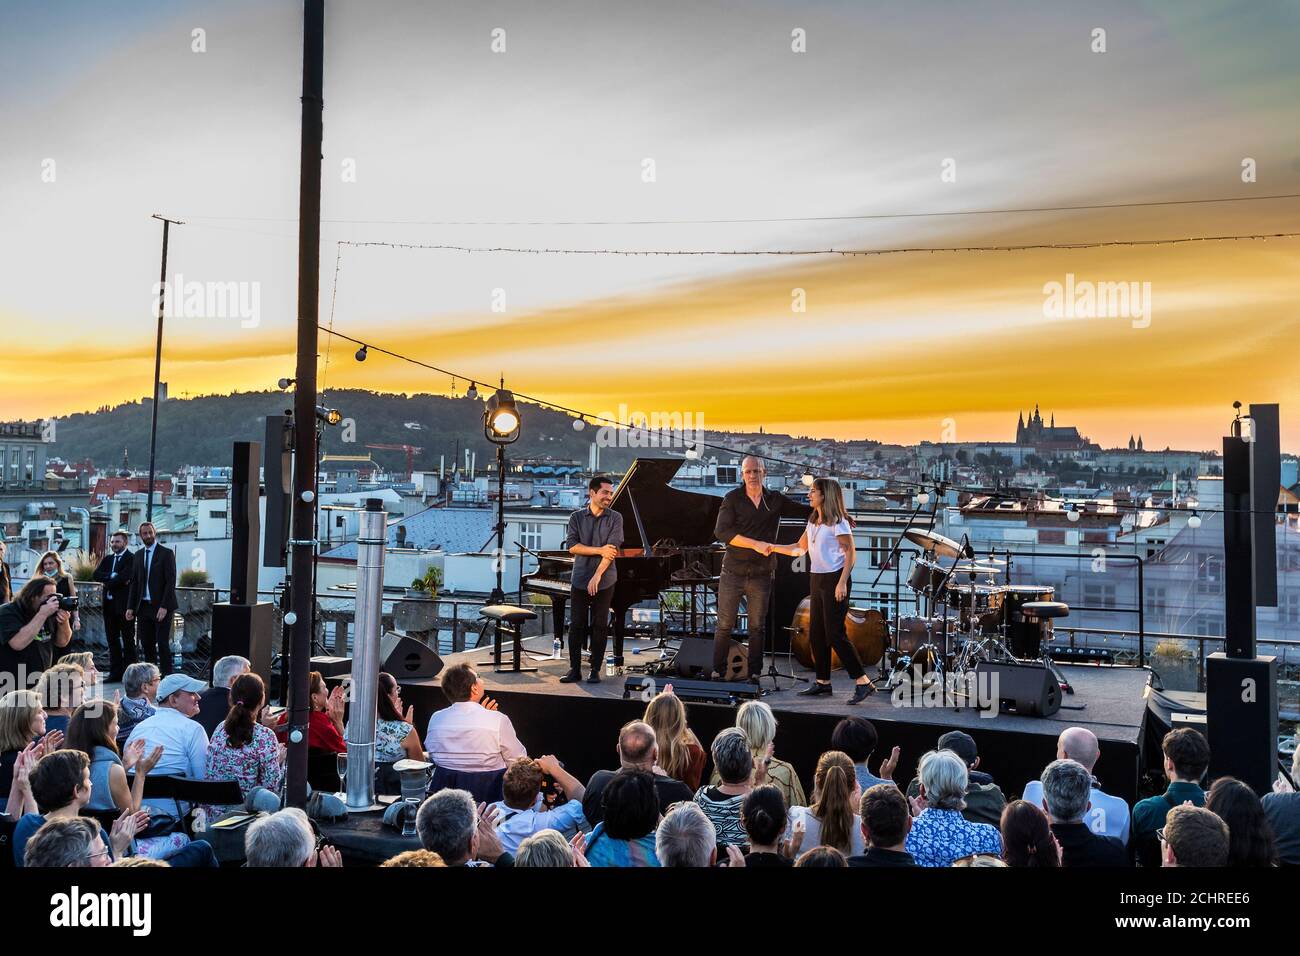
{"x":75,"y":767}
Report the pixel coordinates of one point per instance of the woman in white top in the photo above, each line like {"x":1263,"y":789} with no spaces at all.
{"x":833,"y":818}
{"x":828,"y":542}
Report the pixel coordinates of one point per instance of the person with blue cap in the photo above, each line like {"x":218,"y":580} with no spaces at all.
{"x":184,"y":741}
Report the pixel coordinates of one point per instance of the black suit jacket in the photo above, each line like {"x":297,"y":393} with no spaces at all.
{"x":162,"y":579}
{"x":116,"y":590}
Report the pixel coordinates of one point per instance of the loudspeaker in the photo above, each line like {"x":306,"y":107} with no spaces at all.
{"x":406,"y":657}
{"x":332,"y":666}
{"x":1241,"y":718}
{"x":245,"y":522}
{"x":244,"y":629}
{"x":1265,"y":479}
{"x":1029,"y":690}
{"x":695,"y":658}
{"x":279,"y":488}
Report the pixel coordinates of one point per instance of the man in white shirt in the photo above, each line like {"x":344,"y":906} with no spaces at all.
{"x":184,"y":741}
{"x":1107,"y":815}
{"x":523,"y":812}
{"x":471,"y":735}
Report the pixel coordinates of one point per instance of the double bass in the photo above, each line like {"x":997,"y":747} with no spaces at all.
{"x":864,"y":627}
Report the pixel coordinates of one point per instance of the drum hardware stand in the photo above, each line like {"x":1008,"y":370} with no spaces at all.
{"x":772,"y":671}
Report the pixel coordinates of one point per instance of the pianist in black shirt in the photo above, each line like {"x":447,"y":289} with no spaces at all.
{"x":747,"y":524}
{"x":594,"y":536}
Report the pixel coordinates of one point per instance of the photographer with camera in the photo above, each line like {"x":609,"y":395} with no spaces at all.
{"x":51,"y":565}
{"x":32,"y":628}
{"x":151,"y":598}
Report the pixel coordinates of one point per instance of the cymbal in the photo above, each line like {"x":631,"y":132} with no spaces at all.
{"x":932,"y":541}
{"x":974,"y":567}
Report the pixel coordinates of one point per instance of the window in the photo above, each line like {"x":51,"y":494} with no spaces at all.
{"x":218,"y":516}
{"x":1291,"y":609}
{"x":1209,"y":625}
{"x":1051,"y":536}
{"x":728,"y":474}
{"x":1155,"y":599}
{"x":879,"y":548}
{"x":29,"y":473}
{"x":1209,"y":575}
{"x":530,"y":535}
{"x":1099,"y":595}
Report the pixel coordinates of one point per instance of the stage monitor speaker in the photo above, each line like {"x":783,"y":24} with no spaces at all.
{"x":408,"y":658}
{"x":1028,"y":690}
{"x":694,"y":658}
{"x":332,"y":666}
{"x":246,"y":630}
{"x":245,"y":522}
{"x":278,"y":476}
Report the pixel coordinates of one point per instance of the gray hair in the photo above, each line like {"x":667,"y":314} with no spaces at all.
{"x":446,"y":824}
{"x":228,"y":668}
{"x":685,"y":837}
{"x":137,"y":675}
{"x":62,"y":843}
{"x":731,"y":755}
{"x":283,"y":839}
{"x":545,"y":848}
{"x":1067,"y":787}
{"x":945,"y":777}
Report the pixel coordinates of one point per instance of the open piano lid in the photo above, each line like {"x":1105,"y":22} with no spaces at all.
{"x":648,"y":504}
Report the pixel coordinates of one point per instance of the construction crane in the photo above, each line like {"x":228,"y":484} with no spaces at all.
{"x":411,"y":452}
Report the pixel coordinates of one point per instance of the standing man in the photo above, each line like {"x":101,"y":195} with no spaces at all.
{"x":594,"y":536}
{"x":114,"y":573}
{"x":151,"y":599}
{"x":747,"y":524}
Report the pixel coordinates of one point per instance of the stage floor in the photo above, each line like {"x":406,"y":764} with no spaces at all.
{"x":579,"y":722}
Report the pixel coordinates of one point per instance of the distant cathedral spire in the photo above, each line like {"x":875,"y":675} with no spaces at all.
{"x":126,"y":466}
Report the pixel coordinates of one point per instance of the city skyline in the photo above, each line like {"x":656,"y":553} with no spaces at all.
{"x":432,"y":126}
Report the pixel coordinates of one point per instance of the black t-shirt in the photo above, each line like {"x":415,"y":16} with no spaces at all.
{"x":668,"y":790}
{"x":32,"y":659}
{"x":767,"y":859}
{"x":214,"y":705}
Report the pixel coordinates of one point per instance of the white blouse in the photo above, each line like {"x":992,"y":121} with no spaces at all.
{"x":824,"y":552}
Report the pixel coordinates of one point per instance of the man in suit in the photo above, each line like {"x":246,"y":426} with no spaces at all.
{"x":114,"y":573}
{"x":151,"y":600}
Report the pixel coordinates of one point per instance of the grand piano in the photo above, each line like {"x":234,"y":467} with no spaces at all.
{"x":667,"y":541}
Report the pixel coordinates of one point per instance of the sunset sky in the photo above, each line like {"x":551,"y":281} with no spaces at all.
{"x":555,"y":129}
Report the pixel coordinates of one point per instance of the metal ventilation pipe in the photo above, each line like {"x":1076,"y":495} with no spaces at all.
{"x":372,"y":536}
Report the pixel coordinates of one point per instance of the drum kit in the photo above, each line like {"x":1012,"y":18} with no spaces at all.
{"x":966,"y":617}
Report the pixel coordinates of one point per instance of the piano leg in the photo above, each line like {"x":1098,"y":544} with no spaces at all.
{"x":620,"y":629}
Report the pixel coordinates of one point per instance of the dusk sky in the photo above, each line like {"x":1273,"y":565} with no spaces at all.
{"x":557,"y":128}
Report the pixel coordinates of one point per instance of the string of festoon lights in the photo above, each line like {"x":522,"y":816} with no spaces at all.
{"x":920,"y":491}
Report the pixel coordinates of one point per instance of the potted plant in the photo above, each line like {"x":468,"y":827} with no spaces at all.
{"x":428,"y":584}
{"x":194,"y":591}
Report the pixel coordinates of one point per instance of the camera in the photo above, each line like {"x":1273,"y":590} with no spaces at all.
{"x":69,"y":603}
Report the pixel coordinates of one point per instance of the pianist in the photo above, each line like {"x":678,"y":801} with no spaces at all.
{"x":747,"y":524}
{"x":594,"y":536}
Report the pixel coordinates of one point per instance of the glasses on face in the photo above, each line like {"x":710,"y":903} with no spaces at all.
{"x":1160,"y":835}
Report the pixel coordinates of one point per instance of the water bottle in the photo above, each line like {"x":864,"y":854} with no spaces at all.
{"x":609,"y":666}
{"x":555,"y":648}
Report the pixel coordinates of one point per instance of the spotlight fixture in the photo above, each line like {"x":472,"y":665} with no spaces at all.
{"x":330,"y":416}
{"x":362,"y":352}
{"x":501,"y":417}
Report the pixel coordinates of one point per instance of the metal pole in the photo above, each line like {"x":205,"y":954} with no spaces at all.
{"x":371,"y":538}
{"x":303,"y":538}
{"x":498,"y":595}
{"x":157,"y":364}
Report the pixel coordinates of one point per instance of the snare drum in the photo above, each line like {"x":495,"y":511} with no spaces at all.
{"x":974,"y":601}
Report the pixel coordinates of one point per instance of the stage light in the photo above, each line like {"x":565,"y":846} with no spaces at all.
{"x":362,"y":352}
{"x":330,"y":416}
{"x":1195,"y":520}
{"x":285,"y":383}
{"x":808,"y":479}
{"x":501,"y":418}
{"x":923,"y":498}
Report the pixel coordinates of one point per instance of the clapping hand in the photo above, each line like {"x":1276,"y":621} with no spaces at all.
{"x":50,"y":743}
{"x":579,"y":847}
{"x":131,"y":755}
{"x":125,"y":828}
{"x":149,"y":760}
{"x":328,"y":855}
{"x":790,"y":848}
{"x":734,"y":856}
{"x":489,"y":844}
{"x":917,"y":804}
{"x":335,"y":704}
{"x":409,"y":716}
{"x":888,"y":765}
{"x":488,"y":703}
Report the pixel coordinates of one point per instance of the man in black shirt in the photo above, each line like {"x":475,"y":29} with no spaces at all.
{"x":886,"y":821}
{"x":151,"y":599}
{"x":593,"y":537}
{"x":747,"y":524}
{"x":114,"y":572}
{"x":31,"y":627}
{"x":637,"y":750}
{"x":1067,"y":795}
